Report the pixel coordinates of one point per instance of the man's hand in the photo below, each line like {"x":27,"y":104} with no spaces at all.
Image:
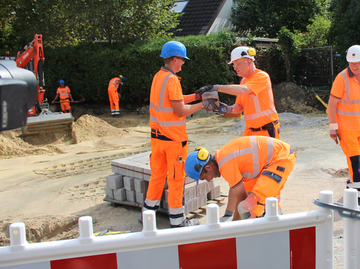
{"x":224,"y":108}
{"x":245,"y":207}
{"x":210,"y":88}
{"x":334,"y":134}
{"x":209,"y":105}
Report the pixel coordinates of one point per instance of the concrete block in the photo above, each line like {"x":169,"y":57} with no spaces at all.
{"x":214,"y":193}
{"x":191,"y":205}
{"x":190,"y":191}
{"x":209,"y":186}
{"x":202,"y":200}
{"x":120,"y":194}
{"x":201,"y":188}
{"x":130,"y":195}
{"x":129,"y":183}
{"x":109,"y":192}
{"x":140,"y":197}
{"x":189,"y":180}
{"x":140,"y":185}
{"x":114,"y":181}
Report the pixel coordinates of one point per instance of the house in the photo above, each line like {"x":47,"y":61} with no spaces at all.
{"x":202,"y":17}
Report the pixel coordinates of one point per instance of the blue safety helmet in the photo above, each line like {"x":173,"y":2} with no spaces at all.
{"x":195,"y":162}
{"x":61,"y":81}
{"x":122,"y":78}
{"x":173,"y":48}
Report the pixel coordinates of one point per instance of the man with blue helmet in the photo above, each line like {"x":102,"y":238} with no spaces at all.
{"x":256,"y":167}
{"x":169,"y":139}
{"x":114,"y":95}
{"x":64,"y":93}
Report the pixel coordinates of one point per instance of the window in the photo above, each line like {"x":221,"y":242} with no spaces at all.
{"x":179,"y":6}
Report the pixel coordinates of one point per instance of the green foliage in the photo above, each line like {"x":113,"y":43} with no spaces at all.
{"x":88,"y":68}
{"x":71,"y":22}
{"x":289,"y":48}
{"x":345,"y":21}
{"x":265,"y":18}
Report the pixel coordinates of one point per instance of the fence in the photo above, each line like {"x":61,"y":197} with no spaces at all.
{"x":299,"y":240}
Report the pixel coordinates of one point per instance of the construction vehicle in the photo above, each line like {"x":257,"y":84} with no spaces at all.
{"x":40,"y":118}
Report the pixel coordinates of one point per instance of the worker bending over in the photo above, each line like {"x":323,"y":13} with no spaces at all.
{"x":169,"y":139}
{"x":114,"y":95}
{"x":256,"y":167}
{"x":344,"y":114}
{"x":64,"y":93}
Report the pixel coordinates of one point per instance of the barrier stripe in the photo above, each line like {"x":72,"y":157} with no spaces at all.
{"x":107,"y":261}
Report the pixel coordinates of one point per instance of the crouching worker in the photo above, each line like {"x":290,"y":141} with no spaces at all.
{"x":256,"y":167}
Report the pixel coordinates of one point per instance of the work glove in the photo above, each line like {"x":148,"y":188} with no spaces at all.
{"x":210,"y":88}
{"x":209,"y":104}
{"x":224,"y":108}
{"x":246,"y":206}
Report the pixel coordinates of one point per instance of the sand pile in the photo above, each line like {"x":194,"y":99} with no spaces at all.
{"x":88,"y":127}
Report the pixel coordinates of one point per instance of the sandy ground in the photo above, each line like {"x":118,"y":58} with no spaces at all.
{"x":48,"y":181}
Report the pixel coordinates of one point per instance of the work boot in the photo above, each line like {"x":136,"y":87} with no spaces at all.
{"x":118,"y":116}
{"x":192,"y":222}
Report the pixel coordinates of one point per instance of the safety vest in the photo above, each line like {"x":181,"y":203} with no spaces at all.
{"x":113,"y":83}
{"x":63,"y":93}
{"x":245,"y":157}
{"x":259,"y":109}
{"x":166,"y":86}
{"x":348,"y":108}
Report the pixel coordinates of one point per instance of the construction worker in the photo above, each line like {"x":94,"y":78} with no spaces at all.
{"x":344,"y":114}
{"x":256,"y":167}
{"x":254,"y":98}
{"x":64,"y":93}
{"x":114,"y":95}
{"x":169,"y":139}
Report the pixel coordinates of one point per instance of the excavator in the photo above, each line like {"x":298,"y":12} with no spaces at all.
{"x":40,"y":118}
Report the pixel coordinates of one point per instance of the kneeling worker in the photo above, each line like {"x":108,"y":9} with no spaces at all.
{"x":256,"y":167}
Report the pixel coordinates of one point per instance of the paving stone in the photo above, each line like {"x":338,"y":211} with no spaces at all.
{"x":120,"y":194}
{"x":129,"y":183}
{"x":130,"y":195}
{"x":114,"y":181}
{"x":109,"y":192}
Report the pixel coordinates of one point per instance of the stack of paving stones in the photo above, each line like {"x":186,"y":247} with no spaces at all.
{"x":129,"y":183}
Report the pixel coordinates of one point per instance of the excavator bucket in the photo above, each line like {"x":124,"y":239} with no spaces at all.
{"x":48,"y":121}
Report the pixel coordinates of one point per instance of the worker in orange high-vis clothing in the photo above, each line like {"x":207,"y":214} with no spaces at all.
{"x":169,"y":139}
{"x":254,"y":98}
{"x":114,"y":95}
{"x":344,"y":114}
{"x":65,"y":97}
{"x":256,"y":167}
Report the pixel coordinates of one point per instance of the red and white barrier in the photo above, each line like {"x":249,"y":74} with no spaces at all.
{"x":295,"y":241}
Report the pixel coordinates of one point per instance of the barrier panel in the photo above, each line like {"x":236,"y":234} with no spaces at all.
{"x":295,"y":241}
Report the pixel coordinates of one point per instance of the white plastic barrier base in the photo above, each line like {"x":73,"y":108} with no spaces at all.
{"x":295,"y":241}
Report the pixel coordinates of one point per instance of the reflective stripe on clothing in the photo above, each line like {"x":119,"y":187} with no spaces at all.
{"x":164,"y":89}
{"x":63,"y":93}
{"x":347,"y":89}
{"x":112,"y":82}
{"x":259,"y":106}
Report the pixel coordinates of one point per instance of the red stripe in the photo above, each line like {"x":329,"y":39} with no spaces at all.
{"x":303,"y":248}
{"x":211,"y":254}
{"x":107,"y":261}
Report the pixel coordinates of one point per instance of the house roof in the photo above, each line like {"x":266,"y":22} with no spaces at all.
{"x":198,"y":16}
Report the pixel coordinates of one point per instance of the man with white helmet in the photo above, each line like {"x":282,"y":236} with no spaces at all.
{"x":344,"y":114}
{"x":255,"y":99}
{"x":169,"y":139}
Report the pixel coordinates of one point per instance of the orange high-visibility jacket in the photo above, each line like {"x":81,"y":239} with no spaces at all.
{"x":259,"y":107}
{"x":245,"y":157}
{"x":63,"y":93}
{"x":112,"y":82}
{"x":165,"y":87}
{"x":347,"y":88}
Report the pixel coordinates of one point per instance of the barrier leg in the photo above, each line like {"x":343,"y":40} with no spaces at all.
{"x":350,"y":230}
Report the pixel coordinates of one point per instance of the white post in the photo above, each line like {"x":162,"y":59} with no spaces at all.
{"x":17,"y":234}
{"x":86,"y":227}
{"x":350,"y":230}
{"x":149,"y":221}
{"x":271,"y":207}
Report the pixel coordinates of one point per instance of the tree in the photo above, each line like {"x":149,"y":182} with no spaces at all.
{"x":345,"y":21}
{"x":70,"y":22}
{"x":266,"y":18}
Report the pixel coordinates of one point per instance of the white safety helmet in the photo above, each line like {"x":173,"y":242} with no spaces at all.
{"x":241,"y":52}
{"x":353,"y":54}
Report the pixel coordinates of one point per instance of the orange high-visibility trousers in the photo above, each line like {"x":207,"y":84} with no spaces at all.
{"x":65,"y":105}
{"x":167,"y":163}
{"x":270,"y":182}
{"x":114,"y":100}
